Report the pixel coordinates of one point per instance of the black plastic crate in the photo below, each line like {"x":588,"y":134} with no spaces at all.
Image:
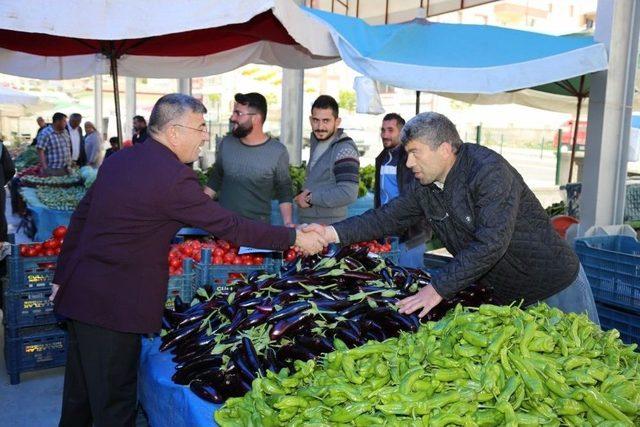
{"x":28,"y":308}
{"x":628,"y":324}
{"x":32,"y":349}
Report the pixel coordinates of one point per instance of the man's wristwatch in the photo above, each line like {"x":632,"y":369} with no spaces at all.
{"x":308,"y":199}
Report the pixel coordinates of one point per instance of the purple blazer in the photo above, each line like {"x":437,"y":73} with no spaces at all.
{"x":113,"y":268}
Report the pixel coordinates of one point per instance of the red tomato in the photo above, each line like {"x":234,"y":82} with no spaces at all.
{"x":49,"y":252}
{"x":223,"y":244}
{"x":38,"y":247}
{"x":57,"y":251}
{"x":175,"y":263}
{"x":228,"y":258}
{"x":218,"y":260}
{"x":237,"y":260}
{"x":60,"y":232}
{"x":24,"y":250}
{"x":257,"y":260}
{"x":197,"y":256}
{"x":291,"y":255}
{"x":218,"y":252}
{"x":32,"y":252}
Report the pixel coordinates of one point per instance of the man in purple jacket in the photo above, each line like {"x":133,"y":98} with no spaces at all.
{"x":112,"y":272}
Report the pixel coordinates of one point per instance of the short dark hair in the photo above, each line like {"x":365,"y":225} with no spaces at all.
{"x":140,"y":119}
{"x":432,"y":129}
{"x":77,"y":116}
{"x":395,"y":116}
{"x":171,"y":107}
{"x":253,"y":100}
{"x":325,"y":102}
{"x":58,"y":116}
{"x":113,"y":140}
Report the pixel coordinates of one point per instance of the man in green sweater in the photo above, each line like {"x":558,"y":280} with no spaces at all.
{"x":333,"y":169}
{"x":251,"y":168}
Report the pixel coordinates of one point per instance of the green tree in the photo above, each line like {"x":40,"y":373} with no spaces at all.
{"x":347,"y":100}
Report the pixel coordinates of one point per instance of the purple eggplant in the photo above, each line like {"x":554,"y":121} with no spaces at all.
{"x":250,"y":303}
{"x":254,"y":319}
{"x":178,"y":335}
{"x":349,"y":337}
{"x":237,"y":320}
{"x":323,"y":294}
{"x":289,"y":310}
{"x":354,"y":309}
{"x":360,"y":275}
{"x":251,"y":356}
{"x":246,"y":372}
{"x":205,"y":391}
{"x":353,"y":264}
{"x":244,"y":292}
{"x":287,"y":325}
{"x":189,"y":371}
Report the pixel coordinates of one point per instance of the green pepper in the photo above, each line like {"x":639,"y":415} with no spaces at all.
{"x":504,"y":361}
{"x":495,"y":310}
{"x":349,"y":369}
{"x":530,"y":420}
{"x":466,"y":351}
{"x":500,"y":338}
{"x":527,"y":336}
{"x":510,"y":419}
{"x":604,"y":408}
{"x":509,"y":389}
{"x":530,"y":377}
{"x":576,"y":362}
{"x":488,"y":418}
{"x":611,"y":381}
{"x":447,"y":375}
{"x":394,"y":409}
{"x":349,"y":412}
{"x":580,"y":377}
{"x":475,"y":338}
{"x":566,"y":406}
{"x":625,"y":405}
{"x":559,"y":389}
{"x":445,"y":419}
{"x":442,"y":362}
{"x":472,"y":370}
{"x":437,"y":401}
{"x":366,"y":420}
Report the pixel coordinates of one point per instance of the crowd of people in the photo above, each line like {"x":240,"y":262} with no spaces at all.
{"x":62,"y":145}
{"x":427,"y":182}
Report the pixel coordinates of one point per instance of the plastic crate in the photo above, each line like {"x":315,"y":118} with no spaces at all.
{"x":181,"y":285}
{"x":612,"y":265}
{"x":627,"y":324}
{"x":27,"y":274}
{"x":31,"y":349}
{"x":222,"y":274}
{"x":394,"y":254}
{"x":28,"y":308}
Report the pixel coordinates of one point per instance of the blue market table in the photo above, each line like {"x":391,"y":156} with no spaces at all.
{"x":168,"y":404}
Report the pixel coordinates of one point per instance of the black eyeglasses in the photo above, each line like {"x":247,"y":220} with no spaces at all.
{"x":242,"y":113}
{"x":205,"y":130}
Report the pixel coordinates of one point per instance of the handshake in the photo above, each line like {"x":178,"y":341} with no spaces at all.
{"x":312,"y":238}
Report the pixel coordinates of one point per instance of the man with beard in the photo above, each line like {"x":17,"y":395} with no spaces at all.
{"x":333,"y":169}
{"x":394,"y":179}
{"x":139,"y":130}
{"x":251,"y":168}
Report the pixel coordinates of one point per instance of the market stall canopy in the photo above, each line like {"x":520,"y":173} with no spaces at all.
{"x":527,"y":97}
{"x":14,"y":103}
{"x":163,"y":39}
{"x":437,"y":57}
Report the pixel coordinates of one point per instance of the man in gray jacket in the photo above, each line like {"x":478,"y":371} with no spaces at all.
{"x":333,"y":169}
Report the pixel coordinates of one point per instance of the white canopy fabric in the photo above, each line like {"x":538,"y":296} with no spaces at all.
{"x":526,"y":97}
{"x":163,"y":38}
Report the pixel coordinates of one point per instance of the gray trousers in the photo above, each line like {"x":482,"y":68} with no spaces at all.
{"x":576,"y":298}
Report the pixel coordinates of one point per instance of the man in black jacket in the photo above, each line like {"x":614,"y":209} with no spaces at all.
{"x":486,"y":216}
{"x":393,"y":179}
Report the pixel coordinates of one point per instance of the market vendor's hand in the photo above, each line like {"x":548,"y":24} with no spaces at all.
{"x":302,"y":199}
{"x":54,"y":291}
{"x":426,"y":299}
{"x":328,"y":232}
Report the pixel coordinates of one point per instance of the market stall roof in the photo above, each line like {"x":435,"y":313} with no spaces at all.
{"x":164,"y":38}
{"x":438,"y":57}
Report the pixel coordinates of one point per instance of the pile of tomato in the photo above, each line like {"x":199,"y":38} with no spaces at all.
{"x":374,"y":246}
{"x":222,"y":253}
{"x":50,"y":247}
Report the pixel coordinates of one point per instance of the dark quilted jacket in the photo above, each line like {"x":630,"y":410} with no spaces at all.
{"x":490,"y":221}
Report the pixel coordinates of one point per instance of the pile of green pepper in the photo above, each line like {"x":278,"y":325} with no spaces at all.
{"x":484,"y":367}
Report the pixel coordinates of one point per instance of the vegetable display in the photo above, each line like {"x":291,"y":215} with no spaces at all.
{"x":222,"y":252}
{"x":486,"y":367}
{"x":50,"y":247}
{"x":267,"y":322}
{"x":65,"y":199}
{"x":28,"y":157}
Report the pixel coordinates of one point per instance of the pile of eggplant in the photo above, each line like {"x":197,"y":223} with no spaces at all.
{"x":228,"y":336}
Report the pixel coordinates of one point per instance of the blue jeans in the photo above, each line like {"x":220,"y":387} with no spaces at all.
{"x":576,"y":298}
{"x":413,"y":257}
